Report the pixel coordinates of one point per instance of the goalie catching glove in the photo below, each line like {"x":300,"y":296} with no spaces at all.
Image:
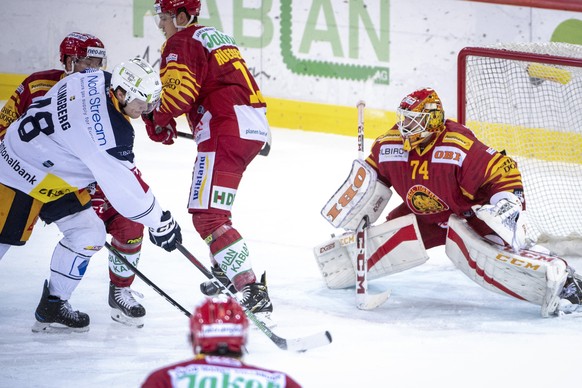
{"x":167,"y":233}
{"x":157,"y":133}
{"x":506,"y":218}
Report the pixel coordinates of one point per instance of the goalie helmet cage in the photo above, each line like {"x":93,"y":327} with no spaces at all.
{"x":526,"y":99}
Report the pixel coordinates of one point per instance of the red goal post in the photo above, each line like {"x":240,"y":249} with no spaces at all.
{"x":526,"y":99}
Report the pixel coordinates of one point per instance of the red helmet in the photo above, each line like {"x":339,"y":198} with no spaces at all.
{"x":81,"y":45}
{"x":172,"y":6}
{"x":219,"y":326}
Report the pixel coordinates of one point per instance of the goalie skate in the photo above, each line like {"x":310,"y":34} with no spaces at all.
{"x":571,"y":296}
{"x":54,"y":315}
{"x":124,"y":308}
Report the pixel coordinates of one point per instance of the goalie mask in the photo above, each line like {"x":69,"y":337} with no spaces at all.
{"x":219,"y":326}
{"x":83,"y":48}
{"x":420,"y":114}
{"x":139,"y":81}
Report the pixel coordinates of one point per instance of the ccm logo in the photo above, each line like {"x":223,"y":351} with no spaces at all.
{"x":361,"y":264}
{"x":348,"y":195}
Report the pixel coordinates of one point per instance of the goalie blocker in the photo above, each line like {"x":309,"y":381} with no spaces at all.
{"x":362,"y":194}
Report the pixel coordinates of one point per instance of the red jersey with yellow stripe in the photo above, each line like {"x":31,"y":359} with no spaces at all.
{"x":33,"y":86}
{"x":451,"y":174}
{"x":206,"y":78}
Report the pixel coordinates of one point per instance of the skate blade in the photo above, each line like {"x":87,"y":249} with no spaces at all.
{"x":57,"y":328}
{"x":119,"y":316}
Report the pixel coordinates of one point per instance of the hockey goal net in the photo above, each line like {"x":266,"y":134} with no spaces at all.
{"x":526,"y":99}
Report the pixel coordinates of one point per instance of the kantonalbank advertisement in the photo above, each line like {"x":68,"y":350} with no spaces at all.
{"x":313,"y":59}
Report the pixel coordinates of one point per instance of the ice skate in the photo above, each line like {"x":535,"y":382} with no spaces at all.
{"x":255,"y":298}
{"x":124,"y":308}
{"x":571,"y":295}
{"x":54,"y":315}
{"x":210,"y":289}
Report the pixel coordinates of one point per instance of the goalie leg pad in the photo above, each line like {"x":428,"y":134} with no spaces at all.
{"x":526,"y":275}
{"x":392,"y":247}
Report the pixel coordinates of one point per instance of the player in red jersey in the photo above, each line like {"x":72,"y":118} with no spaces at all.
{"x":206,"y":78}
{"x":218,"y":333}
{"x":456,"y":192}
{"x":80,"y":51}
{"x":438,"y":167}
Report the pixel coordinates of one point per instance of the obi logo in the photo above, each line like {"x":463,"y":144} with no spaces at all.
{"x":222,"y":197}
{"x":449,"y":155}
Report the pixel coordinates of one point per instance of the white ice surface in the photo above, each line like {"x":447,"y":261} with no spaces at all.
{"x":437,"y":330}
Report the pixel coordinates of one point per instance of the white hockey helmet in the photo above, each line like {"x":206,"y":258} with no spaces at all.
{"x":139,"y":80}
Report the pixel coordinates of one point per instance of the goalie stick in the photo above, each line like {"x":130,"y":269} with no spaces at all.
{"x":147,"y":281}
{"x":300,"y":344}
{"x":364,"y":300}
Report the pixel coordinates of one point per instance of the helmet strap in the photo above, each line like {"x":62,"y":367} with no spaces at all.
{"x":178,"y":27}
{"x":69,"y":72}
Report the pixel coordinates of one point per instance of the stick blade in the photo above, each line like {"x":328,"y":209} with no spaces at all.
{"x":373,"y":301}
{"x":313,"y":341}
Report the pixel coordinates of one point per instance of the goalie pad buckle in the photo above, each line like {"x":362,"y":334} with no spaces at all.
{"x":392,"y":247}
{"x":527,"y":275}
{"x":362,"y":194}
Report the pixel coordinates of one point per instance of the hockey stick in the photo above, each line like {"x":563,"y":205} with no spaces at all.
{"x":364,"y":300}
{"x":361,"y":105}
{"x":147,"y":281}
{"x":185,"y":135}
{"x":263,"y":152}
{"x":296,"y":344}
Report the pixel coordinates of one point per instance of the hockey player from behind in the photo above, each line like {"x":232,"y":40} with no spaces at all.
{"x":206,"y":78}
{"x":218,"y":334}
{"x":77,"y":134}
{"x":79,"y":51}
{"x":455,"y":191}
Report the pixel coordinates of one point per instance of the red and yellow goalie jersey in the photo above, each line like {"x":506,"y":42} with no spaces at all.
{"x":206,"y":78}
{"x":35,"y":85}
{"x":454,"y":172}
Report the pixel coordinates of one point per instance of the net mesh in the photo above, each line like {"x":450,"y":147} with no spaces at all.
{"x":533,"y":111}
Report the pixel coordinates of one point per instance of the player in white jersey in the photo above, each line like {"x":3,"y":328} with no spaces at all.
{"x":78,"y":134}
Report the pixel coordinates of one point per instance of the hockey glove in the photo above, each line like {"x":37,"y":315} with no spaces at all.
{"x":167,"y":234}
{"x":157,"y":133}
{"x":506,"y":218}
